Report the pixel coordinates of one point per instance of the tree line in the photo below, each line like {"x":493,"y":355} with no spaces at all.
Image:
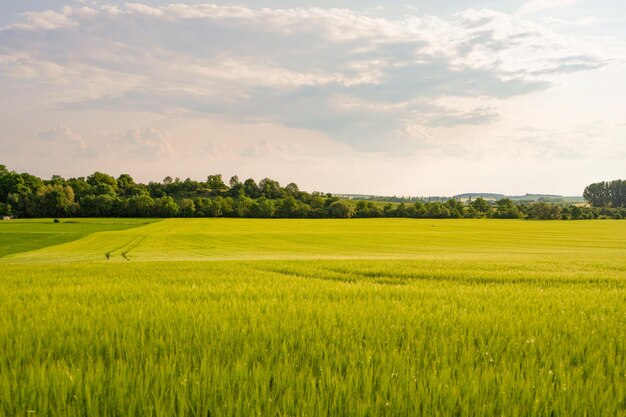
{"x":102,"y":195}
{"x":606,"y":194}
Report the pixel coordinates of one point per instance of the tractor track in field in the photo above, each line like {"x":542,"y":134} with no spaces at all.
{"x":131,"y":244}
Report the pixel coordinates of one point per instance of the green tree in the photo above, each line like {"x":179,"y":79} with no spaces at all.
{"x":455,"y":208}
{"x":597,"y":194}
{"x":292,"y":189}
{"x":207,"y":207}
{"x":139,"y":205}
{"x":236,"y":187}
{"x":227,"y":206}
{"x":165,"y":207}
{"x":437,"y":210}
{"x":369,"y":209}
{"x":545,"y":211}
{"x":251,"y":188}
{"x":80,"y":186}
{"x":617,"y":193}
{"x":216,"y":185}
{"x":101,"y":179}
{"x":340,"y":210}
{"x":125,"y":184}
{"x":243,"y":206}
{"x":576,"y":213}
{"x":263,"y":208}
{"x":418,"y":209}
{"x":55,"y":200}
{"x":186,"y":207}
{"x":287,"y":207}
{"x":481,"y":206}
{"x":97,"y":205}
{"x":271,"y":189}
{"x":506,"y":209}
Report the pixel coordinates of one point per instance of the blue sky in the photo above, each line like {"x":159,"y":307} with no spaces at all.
{"x":412,"y":98}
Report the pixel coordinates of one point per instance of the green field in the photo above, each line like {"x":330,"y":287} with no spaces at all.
{"x":27,"y":235}
{"x":361,"y":317}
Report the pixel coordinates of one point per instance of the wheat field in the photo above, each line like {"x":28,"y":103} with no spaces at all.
{"x":233,"y":317}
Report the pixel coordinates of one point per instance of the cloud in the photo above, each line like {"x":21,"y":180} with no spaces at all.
{"x":150,"y":142}
{"x":583,"y":21}
{"x":262,"y":149}
{"x":63,"y":134}
{"x":478,"y":116}
{"x":577,"y":142}
{"x":363,"y":80}
{"x":216,"y":151}
{"x":534,"y":6}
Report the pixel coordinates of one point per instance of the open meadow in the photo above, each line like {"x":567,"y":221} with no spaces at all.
{"x":360,"y":317}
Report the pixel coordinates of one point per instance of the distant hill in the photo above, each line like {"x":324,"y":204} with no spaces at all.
{"x":486,"y":196}
{"x":550,"y":198}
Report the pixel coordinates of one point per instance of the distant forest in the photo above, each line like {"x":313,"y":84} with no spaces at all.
{"x":102,"y":195}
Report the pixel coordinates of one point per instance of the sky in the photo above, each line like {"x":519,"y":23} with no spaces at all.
{"x":345,"y":96}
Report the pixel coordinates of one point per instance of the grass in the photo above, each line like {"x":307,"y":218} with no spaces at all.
{"x":27,"y":235}
{"x":290,"y":318}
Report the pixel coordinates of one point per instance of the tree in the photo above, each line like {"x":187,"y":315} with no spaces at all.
{"x":251,"y":188}
{"x":99,"y":178}
{"x":287,"y":207}
{"x":140,"y":205}
{"x":455,"y":207}
{"x":292,"y":189}
{"x":617,"y":193}
{"x":506,"y":209}
{"x":216,"y":184}
{"x":97,"y":205}
{"x":236,"y":187}
{"x":262,"y":208}
{"x":186,"y":207}
{"x":165,"y":207}
{"x":401,"y":210}
{"x":437,"y":210}
{"x":369,"y":209}
{"x":55,"y":200}
{"x":576,"y":213}
{"x":340,"y":210}
{"x":243,"y":205}
{"x":481,"y":206}
{"x":226,"y":205}
{"x":125,"y":183}
{"x":271,"y":189}
{"x":206,"y":207}
{"x":597,"y":194}
{"x":20,"y":192}
{"x":418,"y":209}
{"x":80,"y":186}
{"x":545,"y":211}
{"x":56,"y":180}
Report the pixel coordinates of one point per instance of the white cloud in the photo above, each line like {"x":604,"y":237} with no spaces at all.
{"x":150,"y":142}
{"x":63,"y":134}
{"x":264,"y":149}
{"x":534,"y":6}
{"x":374,"y":83}
{"x":583,"y":21}
{"x":216,"y":151}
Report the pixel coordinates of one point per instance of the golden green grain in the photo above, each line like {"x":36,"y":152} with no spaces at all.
{"x":370,"y":317}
